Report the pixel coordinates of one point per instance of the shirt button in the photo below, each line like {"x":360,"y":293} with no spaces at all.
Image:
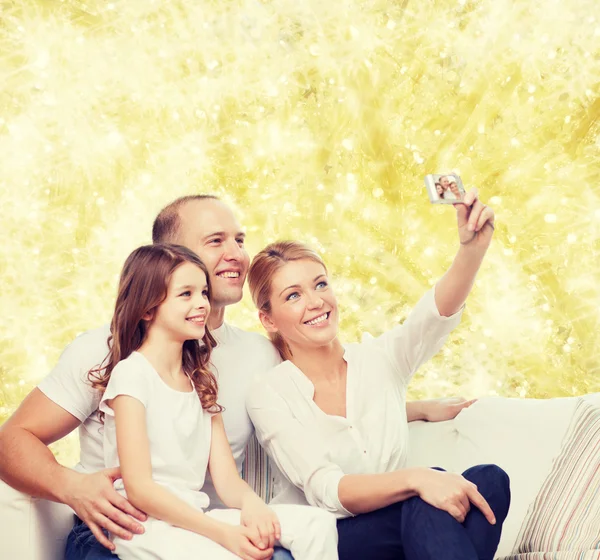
{"x":365,"y":451}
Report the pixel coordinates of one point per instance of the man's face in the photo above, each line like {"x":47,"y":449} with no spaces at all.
{"x":454,"y":189}
{"x":209,"y":228}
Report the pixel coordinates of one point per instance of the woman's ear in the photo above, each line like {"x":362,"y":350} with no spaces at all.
{"x":267,"y":322}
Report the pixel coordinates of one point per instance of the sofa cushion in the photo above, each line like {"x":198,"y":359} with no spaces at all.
{"x":564,"y":520}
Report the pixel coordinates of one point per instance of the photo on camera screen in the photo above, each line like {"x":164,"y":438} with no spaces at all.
{"x":444,"y":188}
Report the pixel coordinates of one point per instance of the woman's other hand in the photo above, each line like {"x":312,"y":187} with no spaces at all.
{"x":441,"y":410}
{"x":451,"y":493}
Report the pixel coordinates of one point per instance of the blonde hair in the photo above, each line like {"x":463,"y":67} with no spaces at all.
{"x":260,"y":279}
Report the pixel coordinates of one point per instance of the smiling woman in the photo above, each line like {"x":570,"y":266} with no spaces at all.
{"x":333,"y":419}
{"x":271,"y":263}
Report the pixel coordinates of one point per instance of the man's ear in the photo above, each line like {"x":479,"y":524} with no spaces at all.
{"x":266,"y":321}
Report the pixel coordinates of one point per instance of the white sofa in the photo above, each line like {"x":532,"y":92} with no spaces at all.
{"x":523,"y":436}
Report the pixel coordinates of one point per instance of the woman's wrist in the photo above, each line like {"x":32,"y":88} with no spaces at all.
{"x":412,"y":479}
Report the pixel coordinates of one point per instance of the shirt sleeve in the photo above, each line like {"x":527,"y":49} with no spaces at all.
{"x":419,"y":338}
{"x":299,"y":452}
{"x":127,"y":378}
{"x":67,"y":384}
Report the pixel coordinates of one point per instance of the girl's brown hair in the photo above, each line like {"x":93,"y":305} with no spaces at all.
{"x":142,"y":288}
{"x":260,"y":278}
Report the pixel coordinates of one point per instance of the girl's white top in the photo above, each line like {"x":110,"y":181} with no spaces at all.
{"x":179,"y":430}
{"x":314,"y":450}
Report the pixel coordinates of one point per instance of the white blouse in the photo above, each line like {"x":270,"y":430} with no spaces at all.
{"x":314,"y":450}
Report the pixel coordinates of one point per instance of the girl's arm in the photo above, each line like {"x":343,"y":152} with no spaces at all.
{"x":475,"y":230}
{"x":232,"y":490}
{"x":236,"y":493}
{"x":136,"y":470}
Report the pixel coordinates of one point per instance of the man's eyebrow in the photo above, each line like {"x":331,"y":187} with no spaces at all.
{"x":224,"y":234}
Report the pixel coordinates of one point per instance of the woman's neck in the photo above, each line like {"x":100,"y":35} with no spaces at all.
{"x":165,"y":354}
{"x":320,"y":363}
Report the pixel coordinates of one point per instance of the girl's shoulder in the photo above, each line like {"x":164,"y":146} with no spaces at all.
{"x":134,"y":364}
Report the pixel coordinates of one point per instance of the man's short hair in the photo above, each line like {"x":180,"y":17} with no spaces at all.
{"x":165,"y":228}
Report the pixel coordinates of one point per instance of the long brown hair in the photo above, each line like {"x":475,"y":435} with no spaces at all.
{"x":260,"y":278}
{"x":142,"y":288}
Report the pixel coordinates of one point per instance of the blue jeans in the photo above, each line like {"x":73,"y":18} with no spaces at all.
{"x":83,"y":545}
{"x":414,"y":530}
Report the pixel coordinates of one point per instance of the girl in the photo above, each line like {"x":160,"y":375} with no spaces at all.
{"x":332,"y":416}
{"x":163,"y":426}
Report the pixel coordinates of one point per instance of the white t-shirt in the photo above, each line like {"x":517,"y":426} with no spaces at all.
{"x":314,"y":450}
{"x":238,"y":357}
{"x":178,"y":429}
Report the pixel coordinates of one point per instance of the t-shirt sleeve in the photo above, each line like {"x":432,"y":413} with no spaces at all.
{"x":299,"y":453}
{"x":127,"y":378}
{"x":68,"y":384}
{"x":419,"y":338}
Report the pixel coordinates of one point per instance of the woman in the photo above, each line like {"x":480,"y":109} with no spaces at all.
{"x":332,"y":416}
{"x":439,"y":190}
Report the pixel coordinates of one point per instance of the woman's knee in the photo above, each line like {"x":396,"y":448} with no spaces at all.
{"x":492,"y":482}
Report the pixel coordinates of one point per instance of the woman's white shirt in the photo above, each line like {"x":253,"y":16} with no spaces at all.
{"x":314,"y":450}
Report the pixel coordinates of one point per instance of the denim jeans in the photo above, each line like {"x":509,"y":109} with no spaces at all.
{"x":83,"y":545}
{"x":415,"y":530}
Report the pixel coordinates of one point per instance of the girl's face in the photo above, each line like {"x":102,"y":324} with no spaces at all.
{"x":184,"y":312}
{"x":304,"y":309}
{"x":439,"y":189}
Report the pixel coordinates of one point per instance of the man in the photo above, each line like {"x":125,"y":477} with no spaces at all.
{"x":444,"y":181}
{"x":65,"y":400}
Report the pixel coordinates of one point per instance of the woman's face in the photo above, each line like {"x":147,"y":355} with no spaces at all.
{"x":454,"y":189}
{"x":303,"y":306}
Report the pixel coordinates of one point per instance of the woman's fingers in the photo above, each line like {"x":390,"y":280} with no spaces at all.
{"x":478,"y":500}
{"x":476,"y":209}
{"x":487,"y":215}
{"x":471,"y":196}
{"x":457,"y":513}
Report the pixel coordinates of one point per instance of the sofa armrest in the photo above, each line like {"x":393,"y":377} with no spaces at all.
{"x":32,"y":529}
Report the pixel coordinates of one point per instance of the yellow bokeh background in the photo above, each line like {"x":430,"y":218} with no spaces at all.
{"x":318,"y":120}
